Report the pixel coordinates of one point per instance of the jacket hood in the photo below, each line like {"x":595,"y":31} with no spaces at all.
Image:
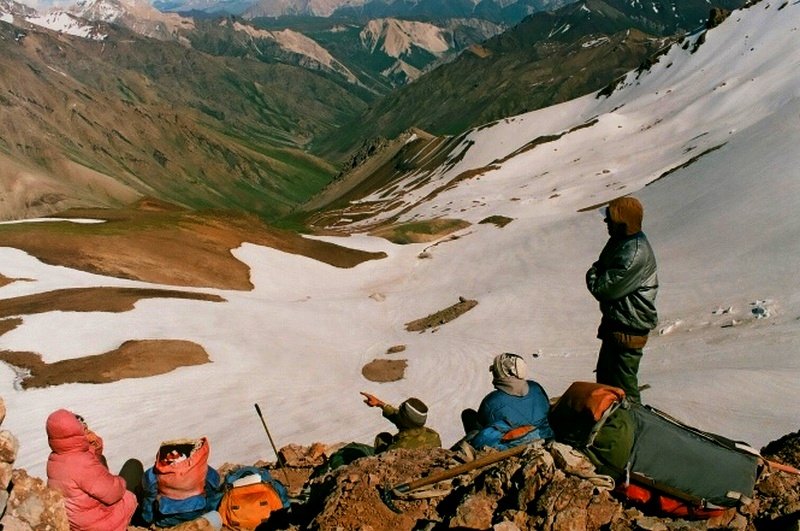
{"x":65,"y":433}
{"x":627,"y":211}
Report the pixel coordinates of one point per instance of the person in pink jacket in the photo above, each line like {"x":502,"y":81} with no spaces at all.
{"x":96,"y":499}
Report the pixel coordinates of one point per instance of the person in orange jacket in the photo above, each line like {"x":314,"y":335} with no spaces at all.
{"x":95,"y":499}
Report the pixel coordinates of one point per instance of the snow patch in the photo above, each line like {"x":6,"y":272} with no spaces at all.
{"x":47,"y":220}
{"x":596,"y":42}
{"x":63,"y":22}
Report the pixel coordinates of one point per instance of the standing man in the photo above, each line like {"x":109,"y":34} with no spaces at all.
{"x":625,"y":283}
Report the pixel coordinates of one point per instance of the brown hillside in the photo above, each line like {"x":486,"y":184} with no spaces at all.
{"x":166,"y":245}
{"x":99,"y":123}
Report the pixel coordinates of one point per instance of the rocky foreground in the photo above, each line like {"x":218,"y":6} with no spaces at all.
{"x":546,"y":487}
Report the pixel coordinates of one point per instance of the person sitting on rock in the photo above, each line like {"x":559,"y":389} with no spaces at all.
{"x":410,"y":420}
{"x":95,"y":499}
{"x":514,"y":413}
{"x":95,"y":441}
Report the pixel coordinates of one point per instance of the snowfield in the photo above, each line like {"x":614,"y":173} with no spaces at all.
{"x":720,"y":125}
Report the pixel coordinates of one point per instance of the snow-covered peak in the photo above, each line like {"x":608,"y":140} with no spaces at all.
{"x":10,"y":9}
{"x":105,"y":10}
{"x":138,"y":15}
{"x":396,"y":37}
{"x":67,"y":23}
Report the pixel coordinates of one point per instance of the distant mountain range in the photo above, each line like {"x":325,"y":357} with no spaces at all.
{"x":373,"y":57}
{"x":376,"y":55}
{"x":548,"y":58}
{"x":498,"y":11}
{"x":110,"y":100}
{"x":107,"y":116}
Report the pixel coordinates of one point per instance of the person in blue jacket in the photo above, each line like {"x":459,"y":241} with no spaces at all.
{"x":514,"y":413}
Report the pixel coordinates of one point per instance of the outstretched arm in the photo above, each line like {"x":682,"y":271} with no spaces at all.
{"x":372,"y":400}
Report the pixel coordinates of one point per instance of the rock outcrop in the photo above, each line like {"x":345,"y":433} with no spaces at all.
{"x":25,"y":502}
{"x":547,"y":487}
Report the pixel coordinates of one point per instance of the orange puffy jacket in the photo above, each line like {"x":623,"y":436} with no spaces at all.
{"x":96,"y":499}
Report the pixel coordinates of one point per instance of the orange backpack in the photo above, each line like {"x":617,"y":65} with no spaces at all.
{"x":251,"y":496}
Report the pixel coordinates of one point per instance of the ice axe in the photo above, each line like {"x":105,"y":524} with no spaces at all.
{"x":388,"y":493}
{"x":272,"y":443}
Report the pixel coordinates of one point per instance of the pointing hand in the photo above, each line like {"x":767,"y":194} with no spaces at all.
{"x":372,"y":400}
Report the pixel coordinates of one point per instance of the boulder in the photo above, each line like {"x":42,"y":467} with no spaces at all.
{"x":9,"y":446}
{"x":33,"y":505}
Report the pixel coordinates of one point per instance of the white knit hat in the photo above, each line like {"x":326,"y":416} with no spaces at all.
{"x":413,"y":413}
{"x":508,"y":365}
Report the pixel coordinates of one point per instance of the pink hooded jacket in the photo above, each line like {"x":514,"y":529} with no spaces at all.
{"x":96,"y":499}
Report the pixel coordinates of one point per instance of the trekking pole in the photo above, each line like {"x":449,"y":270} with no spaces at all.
{"x":272,"y":443}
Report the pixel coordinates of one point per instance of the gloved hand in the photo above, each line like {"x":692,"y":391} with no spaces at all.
{"x":372,"y":400}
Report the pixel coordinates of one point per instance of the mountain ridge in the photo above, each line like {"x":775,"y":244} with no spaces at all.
{"x":123,"y":109}
{"x":535,"y":63}
{"x":711,"y":125}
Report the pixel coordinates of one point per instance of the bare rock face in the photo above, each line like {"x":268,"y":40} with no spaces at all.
{"x":294,"y":455}
{"x":570,"y":503}
{"x":350,"y":497}
{"x":9,"y":446}
{"x":546,"y":488}
{"x":32,"y":505}
{"x":475,"y":512}
{"x":778,"y":493}
{"x":716,"y":17}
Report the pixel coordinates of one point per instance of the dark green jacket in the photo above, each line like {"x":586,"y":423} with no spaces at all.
{"x":410,"y":438}
{"x":625,"y":282}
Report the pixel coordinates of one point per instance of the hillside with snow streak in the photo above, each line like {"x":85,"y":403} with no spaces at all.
{"x":706,"y":138}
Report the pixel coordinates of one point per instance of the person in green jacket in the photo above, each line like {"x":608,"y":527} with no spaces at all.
{"x":410,"y":420}
{"x":624,"y":281}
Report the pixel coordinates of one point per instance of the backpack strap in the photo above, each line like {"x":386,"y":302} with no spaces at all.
{"x":623,"y":403}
